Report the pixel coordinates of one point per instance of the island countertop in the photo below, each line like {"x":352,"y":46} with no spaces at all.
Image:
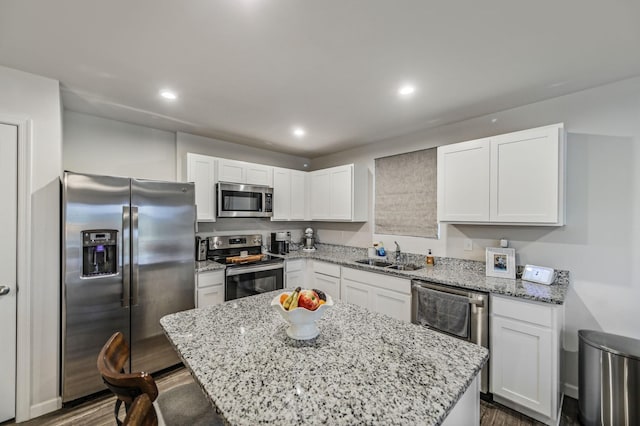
{"x":364,"y":367}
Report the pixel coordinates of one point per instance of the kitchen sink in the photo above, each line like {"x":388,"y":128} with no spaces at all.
{"x":374,"y":262}
{"x":389,"y":265}
{"x":407,"y":267}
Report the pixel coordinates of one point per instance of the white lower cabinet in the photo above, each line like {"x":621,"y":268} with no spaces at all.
{"x":525,"y":356}
{"x":326,"y":277}
{"x":377,"y":292}
{"x":209,"y":288}
{"x":295,"y":272}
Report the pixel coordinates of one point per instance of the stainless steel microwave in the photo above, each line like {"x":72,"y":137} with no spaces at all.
{"x":239,"y":200}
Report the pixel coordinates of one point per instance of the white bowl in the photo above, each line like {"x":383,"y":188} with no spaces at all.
{"x":302,"y":322}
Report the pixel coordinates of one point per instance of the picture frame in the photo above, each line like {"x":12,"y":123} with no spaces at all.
{"x":501,"y":262}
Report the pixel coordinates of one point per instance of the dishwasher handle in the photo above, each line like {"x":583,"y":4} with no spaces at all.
{"x":479,"y":301}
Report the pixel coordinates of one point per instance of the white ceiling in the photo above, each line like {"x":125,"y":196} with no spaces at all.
{"x":248,"y":70}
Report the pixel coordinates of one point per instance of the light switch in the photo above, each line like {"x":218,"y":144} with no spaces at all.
{"x":468,"y":244}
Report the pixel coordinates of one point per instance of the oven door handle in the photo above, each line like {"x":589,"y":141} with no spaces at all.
{"x":248,"y":269}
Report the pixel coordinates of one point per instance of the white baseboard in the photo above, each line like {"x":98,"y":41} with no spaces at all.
{"x":45,"y":407}
{"x":570,"y":390}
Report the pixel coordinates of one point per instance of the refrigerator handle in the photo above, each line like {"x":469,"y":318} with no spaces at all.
{"x":134,"y":256}
{"x":126,"y":249}
{"x":195,"y":219}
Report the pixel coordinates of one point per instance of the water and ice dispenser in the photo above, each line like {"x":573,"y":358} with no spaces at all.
{"x":99,"y":252}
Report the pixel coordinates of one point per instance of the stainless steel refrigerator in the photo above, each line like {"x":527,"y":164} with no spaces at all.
{"x":128,"y":260}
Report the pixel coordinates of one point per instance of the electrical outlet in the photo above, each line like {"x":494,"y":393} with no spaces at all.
{"x":468,"y":244}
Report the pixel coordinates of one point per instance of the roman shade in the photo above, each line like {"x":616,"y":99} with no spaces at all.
{"x":405,"y":194}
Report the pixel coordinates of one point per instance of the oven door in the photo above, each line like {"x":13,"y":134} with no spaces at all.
{"x":243,"y":281}
{"x":236,"y":200}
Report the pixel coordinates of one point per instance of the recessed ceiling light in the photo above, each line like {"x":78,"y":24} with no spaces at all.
{"x":493,"y":120}
{"x":167,"y":94}
{"x":299,"y":132}
{"x":406,"y":90}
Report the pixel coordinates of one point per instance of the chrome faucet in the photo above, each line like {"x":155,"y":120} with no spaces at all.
{"x":398,"y":253}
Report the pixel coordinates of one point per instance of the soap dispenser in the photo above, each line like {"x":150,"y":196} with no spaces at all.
{"x":430,"y":260}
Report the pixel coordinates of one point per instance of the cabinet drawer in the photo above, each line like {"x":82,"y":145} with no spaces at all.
{"x":387,"y":282}
{"x":327,"y":268}
{"x":294,"y":265}
{"x":209,"y":296}
{"x":523,"y":310}
{"x":209,"y":278}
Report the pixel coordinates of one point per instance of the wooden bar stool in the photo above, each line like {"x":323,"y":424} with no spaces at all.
{"x":141,"y":413}
{"x":183,"y":405}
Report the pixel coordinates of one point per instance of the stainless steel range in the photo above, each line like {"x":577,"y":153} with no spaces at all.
{"x":248,"y":272}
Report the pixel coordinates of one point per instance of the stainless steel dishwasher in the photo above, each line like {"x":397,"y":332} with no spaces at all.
{"x":460,"y":313}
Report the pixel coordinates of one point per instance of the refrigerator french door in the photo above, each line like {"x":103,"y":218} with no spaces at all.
{"x":128,"y":260}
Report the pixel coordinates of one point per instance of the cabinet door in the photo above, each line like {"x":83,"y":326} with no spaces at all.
{"x":208,"y":296}
{"x":295,"y":279}
{"x":525,"y":184}
{"x":231,"y":171}
{"x":281,"y":194}
{"x":357,"y":293}
{"x":521,"y":363}
{"x":297,"y":195}
{"x":391,"y":303}
{"x":330,"y":285}
{"x":320,"y":194}
{"x":258,"y":174}
{"x":341,"y":193}
{"x":210,"y":278}
{"x":463,"y":181}
{"x":201,"y":171}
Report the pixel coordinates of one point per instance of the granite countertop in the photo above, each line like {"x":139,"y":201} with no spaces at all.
{"x":209,"y":265}
{"x":462,"y":273}
{"x":363,"y":368}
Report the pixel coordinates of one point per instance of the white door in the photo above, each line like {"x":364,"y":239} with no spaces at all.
{"x":356,"y":293}
{"x":281,"y":194}
{"x":8,"y":230}
{"x":201,"y":171}
{"x":463,"y":181}
{"x":392,"y":303}
{"x":341,"y":192}
{"x":524,"y":176}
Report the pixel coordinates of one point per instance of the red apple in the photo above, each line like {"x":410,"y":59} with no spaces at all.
{"x":309,"y":300}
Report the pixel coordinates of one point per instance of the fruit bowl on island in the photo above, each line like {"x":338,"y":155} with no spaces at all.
{"x":301,"y":319}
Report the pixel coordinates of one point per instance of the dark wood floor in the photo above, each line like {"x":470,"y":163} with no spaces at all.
{"x":494,"y":414}
{"x":99,"y":411}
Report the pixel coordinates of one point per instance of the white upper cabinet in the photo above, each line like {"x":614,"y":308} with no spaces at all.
{"x":506,"y":179}
{"x":243,"y":172}
{"x":288,"y":194}
{"x":463,"y":181}
{"x":298,"y":194}
{"x":527,"y":177}
{"x":201,"y":171}
{"x":339,"y":194}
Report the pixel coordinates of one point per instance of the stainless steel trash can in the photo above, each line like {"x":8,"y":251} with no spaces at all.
{"x":608,"y":379}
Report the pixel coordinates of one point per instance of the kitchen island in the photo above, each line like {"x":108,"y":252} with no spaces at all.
{"x":363,"y":368}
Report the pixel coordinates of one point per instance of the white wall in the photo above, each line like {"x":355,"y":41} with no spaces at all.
{"x":107,"y":147}
{"x":35,"y":98}
{"x":600,"y":245}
